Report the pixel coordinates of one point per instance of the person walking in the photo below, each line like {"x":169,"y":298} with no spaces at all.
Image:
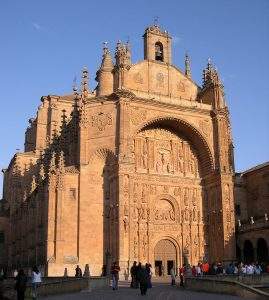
{"x":149,"y":274}
{"x":115,"y":276}
{"x":173,"y":276}
{"x":134,"y":275}
{"x":36,"y":281}
{"x":20,"y":286}
{"x":142,"y":277}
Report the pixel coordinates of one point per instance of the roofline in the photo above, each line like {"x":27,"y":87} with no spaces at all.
{"x":256,"y":168}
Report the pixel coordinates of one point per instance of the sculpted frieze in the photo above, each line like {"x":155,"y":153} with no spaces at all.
{"x":137,"y":115}
{"x":101,"y":121}
{"x":160,"y":151}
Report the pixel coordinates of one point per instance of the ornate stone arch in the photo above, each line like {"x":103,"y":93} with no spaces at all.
{"x":190,"y":132}
{"x":171,"y":239}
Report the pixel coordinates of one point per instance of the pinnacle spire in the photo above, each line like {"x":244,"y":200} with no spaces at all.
{"x":107,"y":63}
{"x":85,"y":81}
{"x":187,"y":66}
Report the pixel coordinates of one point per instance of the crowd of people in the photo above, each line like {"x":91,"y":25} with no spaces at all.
{"x":219,"y":269}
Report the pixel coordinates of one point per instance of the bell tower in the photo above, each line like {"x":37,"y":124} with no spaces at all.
{"x":157,"y":44}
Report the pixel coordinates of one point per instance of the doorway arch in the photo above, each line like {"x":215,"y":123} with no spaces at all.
{"x":248,"y":252}
{"x":165,"y":257}
{"x":262,"y":250}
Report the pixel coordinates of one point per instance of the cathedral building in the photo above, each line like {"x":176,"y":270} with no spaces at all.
{"x":139,"y":169}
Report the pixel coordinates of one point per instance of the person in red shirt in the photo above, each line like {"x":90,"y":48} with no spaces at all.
{"x":205,"y":268}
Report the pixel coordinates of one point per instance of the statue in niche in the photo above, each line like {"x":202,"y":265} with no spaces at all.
{"x":162,"y":161}
{"x":135,"y":191}
{"x":186,"y":215}
{"x":187,"y":241}
{"x":125,"y":224}
{"x":157,"y":215}
{"x":145,"y":155}
{"x":143,"y":195}
{"x":194,"y":199}
{"x":135,"y":245}
{"x":196,"y":248}
{"x":186,"y":203}
{"x":148,"y":214}
{"x":135,"y":212}
{"x":181,"y":164}
{"x":126,"y":210}
{"x":153,"y":189}
{"x":144,"y":245}
{"x":168,"y":168}
{"x":192,"y":165}
{"x":194,"y":215}
{"x":158,"y":167}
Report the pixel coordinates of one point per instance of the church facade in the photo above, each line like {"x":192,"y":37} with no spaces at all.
{"x":139,"y":169}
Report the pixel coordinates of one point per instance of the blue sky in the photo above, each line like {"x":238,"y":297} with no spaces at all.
{"x":44,"y":44}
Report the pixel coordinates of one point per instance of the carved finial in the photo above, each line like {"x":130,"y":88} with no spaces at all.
{"x":24,"y":197}
{"x":52,"y":165}
{"x":74,"y":86}
{"x":156,"y":21}
{"x":210,"y":74}
{"x":33,"y":183}
{"x":85,"y":81}
{"x":61,"y":164}
{"x":187,"y":66}
{"x":41,"y":172}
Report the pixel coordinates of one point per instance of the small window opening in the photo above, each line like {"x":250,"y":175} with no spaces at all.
{"x":159,"y":51}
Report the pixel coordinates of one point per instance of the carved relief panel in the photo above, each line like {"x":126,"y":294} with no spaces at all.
{"x":161,"y":151}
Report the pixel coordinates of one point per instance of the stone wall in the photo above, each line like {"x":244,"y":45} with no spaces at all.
{"x":58,"y":285}
{"x":225,"y":287}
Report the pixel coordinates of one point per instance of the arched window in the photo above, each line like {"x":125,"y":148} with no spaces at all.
{"x":159,"y":51}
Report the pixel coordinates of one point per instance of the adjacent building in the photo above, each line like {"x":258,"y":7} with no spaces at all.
{"x":252,"y":213}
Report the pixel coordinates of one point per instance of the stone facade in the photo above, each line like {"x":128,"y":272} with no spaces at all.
{"x":139,"y":169}
{"x":252,"y":213}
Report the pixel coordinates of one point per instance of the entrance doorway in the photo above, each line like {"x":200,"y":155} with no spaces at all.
{"x":165,"y":257}
{"x":158,"y":268}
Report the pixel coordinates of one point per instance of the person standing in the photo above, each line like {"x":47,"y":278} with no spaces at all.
{"x":142,"y":277}
{"x":134,"y":275}
{"x":36,"y":281}
{"x":20,"y":286}
{"x":78,"y":272}
{"x":149,"y":274}
{"x":173,"y":276}
{"x":115,"y":275}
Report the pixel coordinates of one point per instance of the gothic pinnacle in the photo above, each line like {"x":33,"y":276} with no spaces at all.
{"x":85,"y":81}
{"x":187,"y":66}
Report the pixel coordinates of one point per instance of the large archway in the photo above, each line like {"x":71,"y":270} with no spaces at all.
{"x":262,"y":250}
{"x":248,"y":252}
{"x":165,"y":257}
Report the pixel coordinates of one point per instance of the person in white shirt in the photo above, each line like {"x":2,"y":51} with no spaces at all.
{"x":36,"y":281}
{"x":250,"y":269}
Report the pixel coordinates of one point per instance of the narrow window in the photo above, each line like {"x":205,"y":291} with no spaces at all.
{"x":159,"y":51}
